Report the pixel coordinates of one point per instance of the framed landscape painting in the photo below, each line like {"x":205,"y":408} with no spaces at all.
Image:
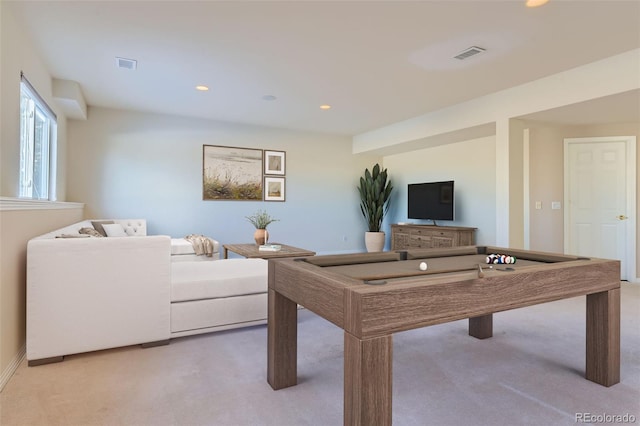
{"x":230,"y":173}
{"x":274,"y":188}
{"x":274,"y":162}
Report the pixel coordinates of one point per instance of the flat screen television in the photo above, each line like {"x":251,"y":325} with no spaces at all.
{"x":431,"y":200}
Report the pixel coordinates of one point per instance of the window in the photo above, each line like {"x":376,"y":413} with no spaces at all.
{"x":38,"y":128}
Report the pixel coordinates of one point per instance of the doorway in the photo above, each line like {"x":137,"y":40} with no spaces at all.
{"x":600,"y":199}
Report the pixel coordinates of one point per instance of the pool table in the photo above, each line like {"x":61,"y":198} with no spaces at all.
{"x":373,"y":295}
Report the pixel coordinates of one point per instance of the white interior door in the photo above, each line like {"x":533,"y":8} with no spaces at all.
{"x":598,"y":207}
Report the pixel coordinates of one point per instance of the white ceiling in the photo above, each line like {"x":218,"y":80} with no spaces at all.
{"x":375,"y":62}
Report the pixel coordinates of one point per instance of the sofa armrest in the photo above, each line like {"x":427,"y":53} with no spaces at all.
{"x":86,"y":294}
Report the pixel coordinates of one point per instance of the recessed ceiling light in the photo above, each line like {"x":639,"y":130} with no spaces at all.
{"x":269,"y":98}
{"x":325,"y":106}
{"x":202,"y":88}
{"x":535,"y":3}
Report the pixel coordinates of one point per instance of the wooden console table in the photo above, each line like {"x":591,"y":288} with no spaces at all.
{"x":430,"y":236}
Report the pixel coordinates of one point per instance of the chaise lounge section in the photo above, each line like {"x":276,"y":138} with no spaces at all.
{"x":214,"y":296}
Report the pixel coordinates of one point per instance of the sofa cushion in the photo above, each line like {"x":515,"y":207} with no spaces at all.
{"x":219,"y":278}
{"x":181,"y":246}
{"x":133,"y":227}
{"x":97,"y":224}
{"x":114,"y":230}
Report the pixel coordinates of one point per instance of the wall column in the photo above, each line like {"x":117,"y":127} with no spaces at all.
{"x":502,"y":182}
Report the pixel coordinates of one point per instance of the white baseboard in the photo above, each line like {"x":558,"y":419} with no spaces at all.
{"x":12,"y":367}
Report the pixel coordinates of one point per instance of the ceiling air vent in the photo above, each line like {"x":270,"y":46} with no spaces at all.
{"x":471,"y":51}
{"x":128,"y":64}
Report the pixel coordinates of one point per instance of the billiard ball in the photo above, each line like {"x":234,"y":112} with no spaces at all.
{"x":423,"y":266}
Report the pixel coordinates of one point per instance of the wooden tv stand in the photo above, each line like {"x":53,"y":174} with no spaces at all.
{"x":429,"y":236}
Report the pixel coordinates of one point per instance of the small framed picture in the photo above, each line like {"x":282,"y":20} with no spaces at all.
{"x":274,"y":162}
{"x":274,"y":188}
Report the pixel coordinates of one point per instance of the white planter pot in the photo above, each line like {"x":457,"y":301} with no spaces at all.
{"x":374,"y":241}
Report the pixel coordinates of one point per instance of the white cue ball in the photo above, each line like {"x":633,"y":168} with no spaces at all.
{"x":423,"y":266}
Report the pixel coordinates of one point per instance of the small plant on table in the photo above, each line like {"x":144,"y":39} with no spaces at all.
{"x":261,"y":219}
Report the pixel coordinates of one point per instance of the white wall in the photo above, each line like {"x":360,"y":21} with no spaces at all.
{"x":124,"y":164}
{"x":471,"y":164}
{"x":546,"y":178}
{"x":546,"y":226}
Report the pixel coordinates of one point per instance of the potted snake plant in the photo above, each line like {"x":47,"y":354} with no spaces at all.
{"x":375,"y":189}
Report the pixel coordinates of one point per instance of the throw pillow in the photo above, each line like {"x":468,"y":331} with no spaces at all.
{"x":90,"y":232}
{"x":71,"y":236}
{"x":114,"y":230}
{"x":97,"y":224}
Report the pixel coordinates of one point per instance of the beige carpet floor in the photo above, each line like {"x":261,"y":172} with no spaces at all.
{"x":530,"y":373}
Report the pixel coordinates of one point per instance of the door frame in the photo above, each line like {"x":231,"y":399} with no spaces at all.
{"x":631,"y":191}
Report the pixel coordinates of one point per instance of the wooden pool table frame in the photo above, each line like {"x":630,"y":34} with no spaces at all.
{"x":370,"y":314}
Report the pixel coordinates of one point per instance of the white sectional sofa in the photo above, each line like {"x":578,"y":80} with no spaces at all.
{"x":89,"y":293}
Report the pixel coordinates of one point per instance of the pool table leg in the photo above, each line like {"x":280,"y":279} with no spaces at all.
{"x":481,"y":327}
{"x":367,"y":380}
{"x":282,"y":341}
{"x":603,"y":337}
